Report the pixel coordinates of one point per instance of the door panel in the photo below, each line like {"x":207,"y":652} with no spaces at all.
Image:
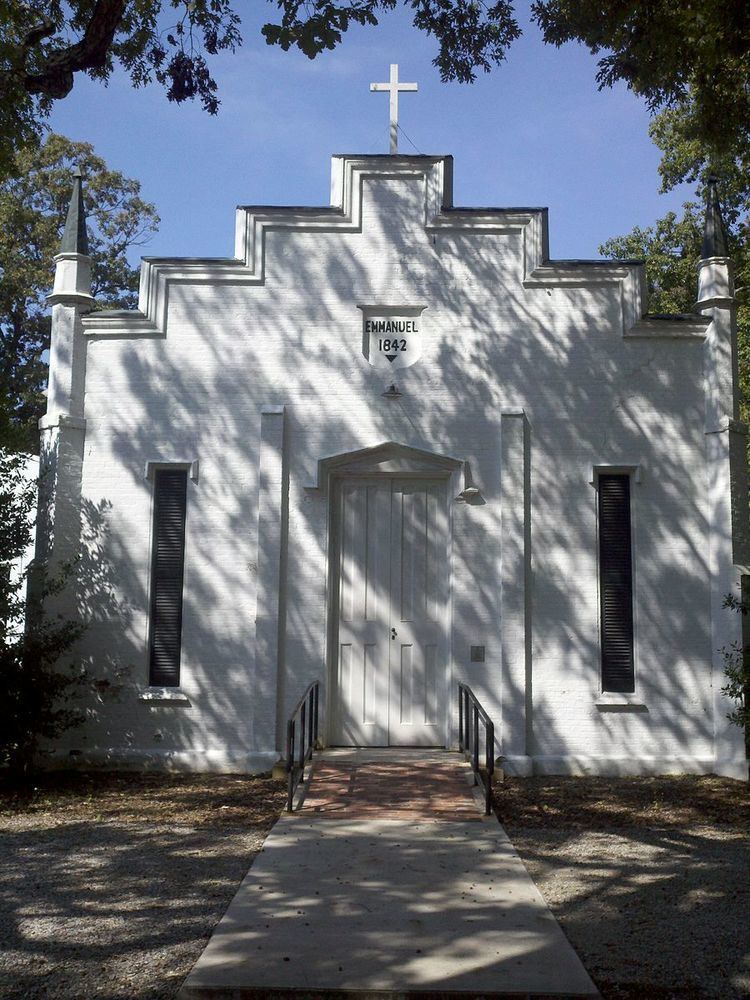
{"x":392,"y":566}
{"x":419,"y":573}
{"x":361,"y":711}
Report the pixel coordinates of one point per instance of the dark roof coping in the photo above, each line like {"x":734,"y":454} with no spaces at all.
{"x":396,"y":156}
{"x":308,"y":209}
{"x":596,"y":262}
{"x":195,"y":260}
{"x":103,"y":311}
{"x":493,"y":208}
{"x":674,"y":317}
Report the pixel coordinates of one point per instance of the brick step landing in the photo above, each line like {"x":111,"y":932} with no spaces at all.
{"x":431,"y":786}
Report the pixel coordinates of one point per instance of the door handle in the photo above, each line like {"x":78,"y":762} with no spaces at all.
{"x":393,"y":633}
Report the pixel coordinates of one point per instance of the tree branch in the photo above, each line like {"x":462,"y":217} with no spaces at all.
{"x":34,"y":35}
{"x":56,"y":77}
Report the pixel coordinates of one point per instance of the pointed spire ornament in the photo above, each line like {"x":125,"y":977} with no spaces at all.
{"x":714,"y":234}
{"x":75,"y":237}
{"x":72,"y":263}
{"x":715,"y":271}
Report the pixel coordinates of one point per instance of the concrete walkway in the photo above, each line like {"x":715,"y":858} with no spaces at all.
{"x":416,"y":905}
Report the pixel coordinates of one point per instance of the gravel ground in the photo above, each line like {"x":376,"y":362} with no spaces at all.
{"x":100,"y":897}
{"x":113,"y":910}
{"x":654,"y":913}
{"x":110,"y":885}
{"x":655,"y":899}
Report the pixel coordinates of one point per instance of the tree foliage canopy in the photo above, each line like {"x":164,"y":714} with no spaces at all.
{"x":664,"y":51}
{"x":687,"y":158}
{"x":671,"y":248}
{"x":44,"y":44}
{"x":33,"y":206}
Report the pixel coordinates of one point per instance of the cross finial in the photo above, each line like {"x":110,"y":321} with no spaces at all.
{"x":393,"y":87}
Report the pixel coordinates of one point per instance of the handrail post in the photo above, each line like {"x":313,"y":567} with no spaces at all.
{"x":316,"y":692}
{"x":290,"y":763}
{"x":470,"y":714}
{"x":460,"y":717}
{"x":490,"y":759}
{"x":307,"y":710}
{"x":476,"y":739}
{"x":311,"y":718}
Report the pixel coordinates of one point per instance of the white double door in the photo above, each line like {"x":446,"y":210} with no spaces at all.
{"x":391,"y":586}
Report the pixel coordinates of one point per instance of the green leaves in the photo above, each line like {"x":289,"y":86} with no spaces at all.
{"x":737,"y":673}
{"x":172,"y":41}
{"x":686,"y":156}
{"x":35,"y":693}
{"x":33,"y":204}
{"x":665,"y":52}
{"x":312,"y":28}
{"x":44,"y":46}
{"x":471,"y":35}
{"x":671,"y":249}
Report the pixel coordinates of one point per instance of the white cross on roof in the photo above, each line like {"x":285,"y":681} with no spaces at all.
{"x":393,"y":87}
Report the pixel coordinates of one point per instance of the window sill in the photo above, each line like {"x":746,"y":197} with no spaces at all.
{"x":613,"y":700}
{"x":172,"y":695}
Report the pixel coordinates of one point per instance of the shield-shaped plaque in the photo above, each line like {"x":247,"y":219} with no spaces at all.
{"x":392,"y":335}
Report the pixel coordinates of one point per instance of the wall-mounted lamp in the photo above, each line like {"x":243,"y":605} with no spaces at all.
{"x":391,"y":392}
{"x":470,"y":495}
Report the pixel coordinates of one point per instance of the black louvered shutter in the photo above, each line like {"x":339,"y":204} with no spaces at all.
{"x":167,"y":563}
{"x":616,"y":583}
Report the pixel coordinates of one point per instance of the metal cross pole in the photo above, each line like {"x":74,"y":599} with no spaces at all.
{"x":393,"y":87}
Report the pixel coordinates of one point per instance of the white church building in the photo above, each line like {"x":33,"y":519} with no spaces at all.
{"x":391,"y":445}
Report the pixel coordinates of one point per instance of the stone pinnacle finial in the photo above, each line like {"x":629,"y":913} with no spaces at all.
{"x":714,"y":234}
{"x":75,"y":239}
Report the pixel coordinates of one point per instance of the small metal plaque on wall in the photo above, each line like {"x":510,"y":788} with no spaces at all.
{"x":392,"y":335}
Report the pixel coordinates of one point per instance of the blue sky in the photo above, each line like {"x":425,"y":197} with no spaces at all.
{"x":534,"y":132}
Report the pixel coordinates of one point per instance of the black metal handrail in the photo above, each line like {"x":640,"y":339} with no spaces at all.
{"x":307,"y":710}
{"x":470,"y":713}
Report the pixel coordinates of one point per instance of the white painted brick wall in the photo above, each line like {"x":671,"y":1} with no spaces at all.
{"x":590,"y":397}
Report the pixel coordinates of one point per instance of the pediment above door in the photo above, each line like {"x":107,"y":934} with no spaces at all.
{"x":390,"y":458}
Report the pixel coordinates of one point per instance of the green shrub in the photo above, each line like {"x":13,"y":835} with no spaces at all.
{"x":737,"y":672}
{"x":36,"y":690}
